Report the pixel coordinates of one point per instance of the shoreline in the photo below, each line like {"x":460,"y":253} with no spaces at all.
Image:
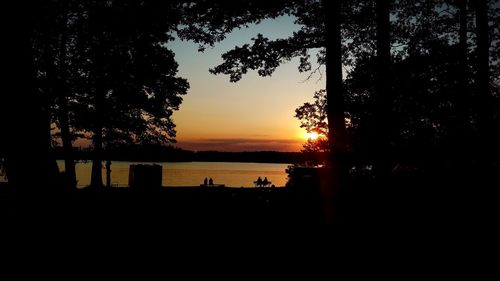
{"x":188,"y":187}
{"x":188,"y":161}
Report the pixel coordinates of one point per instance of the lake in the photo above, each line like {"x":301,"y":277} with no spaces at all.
{"x":192,"y":173}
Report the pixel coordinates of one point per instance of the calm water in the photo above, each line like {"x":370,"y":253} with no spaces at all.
{"x":193,"y":173}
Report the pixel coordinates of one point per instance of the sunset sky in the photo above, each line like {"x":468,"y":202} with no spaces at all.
{"x":253,"y":114}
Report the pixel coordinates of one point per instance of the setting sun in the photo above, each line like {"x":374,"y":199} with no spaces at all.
{"x":312,"y":136}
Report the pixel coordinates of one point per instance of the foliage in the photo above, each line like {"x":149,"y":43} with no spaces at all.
{"x":425,"y":72}
{"x":117,"y":67}
{"x":313,"y":118}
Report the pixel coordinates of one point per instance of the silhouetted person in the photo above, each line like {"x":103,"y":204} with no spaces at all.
{"x":259,"y":182}
{"x":205,"y":182}
{"x":211,"y":181}
{"x":265,"y":182}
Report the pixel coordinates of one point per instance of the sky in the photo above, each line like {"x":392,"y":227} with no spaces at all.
{"x":254,"y":114}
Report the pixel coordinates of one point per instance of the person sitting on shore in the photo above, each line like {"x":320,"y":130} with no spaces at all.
{"x":205,"y":182}
{"x":265,"y":182}
{"x":210,"y":181}
{"x":259,"y":182}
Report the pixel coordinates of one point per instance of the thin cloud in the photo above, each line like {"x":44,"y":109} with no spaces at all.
{"x":241,"y":144}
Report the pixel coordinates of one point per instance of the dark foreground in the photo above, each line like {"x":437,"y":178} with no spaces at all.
{"x":246,"y":206}
{"x":414,"y":200}
{"x":166,"y":205}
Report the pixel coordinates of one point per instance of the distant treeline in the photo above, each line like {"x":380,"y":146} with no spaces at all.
{"x":152,"y":153}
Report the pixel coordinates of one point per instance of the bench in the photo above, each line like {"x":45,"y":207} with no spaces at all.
{"x":269,"y":183}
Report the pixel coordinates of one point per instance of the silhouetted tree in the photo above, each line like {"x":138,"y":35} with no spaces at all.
{"x":313,"y":118}
{"x":51,"y":43}
{"x":484,"y":99}
{"x":105,"y":72}
{"x":462,"y":133}
{"x":25,"y":113}
{"x":62,"y":94}
{"x":423,"y":112}
{"x":416,"y":27}
{"x":383,"y":91}
{"x":135,"y":87}
{"x":423,"y":91}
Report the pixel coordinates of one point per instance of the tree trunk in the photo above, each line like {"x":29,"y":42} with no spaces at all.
{"x":96,"y":180}
{"x":461,"y":136}
{"x":483,"y":79}
{"x":99,"y":99}
{"x":383,"y":97}
{"x":335,"y":110}
{"x":69,"y":161}
{"x":63,"y":115}
{"x":108,"y":173}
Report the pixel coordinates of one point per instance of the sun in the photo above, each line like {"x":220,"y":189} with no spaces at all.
{"x":312,"y":136}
